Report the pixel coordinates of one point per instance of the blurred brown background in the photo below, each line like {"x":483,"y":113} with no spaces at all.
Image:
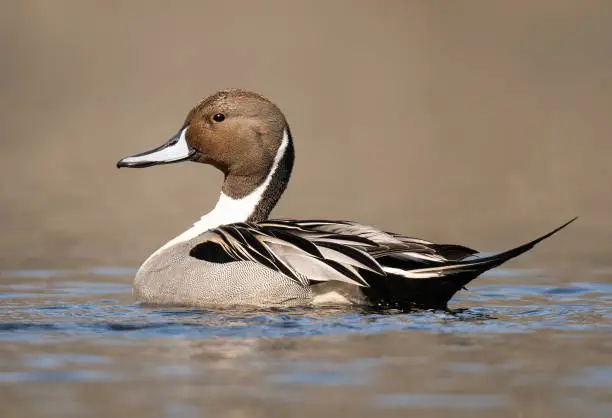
{"x":470,"y":122}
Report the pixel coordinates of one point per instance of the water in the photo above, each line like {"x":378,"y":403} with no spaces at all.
{"x":73,"y":344}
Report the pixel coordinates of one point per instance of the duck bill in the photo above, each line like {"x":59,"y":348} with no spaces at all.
{"x":175,"y":150}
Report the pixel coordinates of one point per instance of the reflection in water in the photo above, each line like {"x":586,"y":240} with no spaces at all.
{"x":73,"y":342}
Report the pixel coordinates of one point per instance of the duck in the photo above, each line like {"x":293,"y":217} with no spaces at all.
{"x":235,"y":255}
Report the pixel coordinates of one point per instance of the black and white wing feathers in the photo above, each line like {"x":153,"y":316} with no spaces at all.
{"x":384,"y":264}
{"x":315,"y":250}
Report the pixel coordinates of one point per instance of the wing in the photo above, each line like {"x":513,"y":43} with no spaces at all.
{"x":314,"y":250}
{"x":384,"y":264}
{"x":395,"y":243}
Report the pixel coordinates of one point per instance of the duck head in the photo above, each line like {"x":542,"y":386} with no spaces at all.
{"x":244,"y":135}
{"x":239,"y":132}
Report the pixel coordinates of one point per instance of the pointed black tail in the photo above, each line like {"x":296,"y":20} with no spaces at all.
{"x":483,"y":264}
{"x":446,"y":279}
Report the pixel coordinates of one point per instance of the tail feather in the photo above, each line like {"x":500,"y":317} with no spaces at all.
{"x":439,"y":284}
{"x":486,"y":263}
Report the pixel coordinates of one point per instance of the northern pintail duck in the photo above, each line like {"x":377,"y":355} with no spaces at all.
{"x":234,"y":255}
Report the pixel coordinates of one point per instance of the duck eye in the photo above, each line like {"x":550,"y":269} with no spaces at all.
{"x":219,"y":117}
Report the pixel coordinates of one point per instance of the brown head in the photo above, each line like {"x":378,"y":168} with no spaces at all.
{"x":237,"y":131}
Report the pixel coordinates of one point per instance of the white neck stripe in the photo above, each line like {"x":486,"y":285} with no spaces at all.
{"x":229,"y":210}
